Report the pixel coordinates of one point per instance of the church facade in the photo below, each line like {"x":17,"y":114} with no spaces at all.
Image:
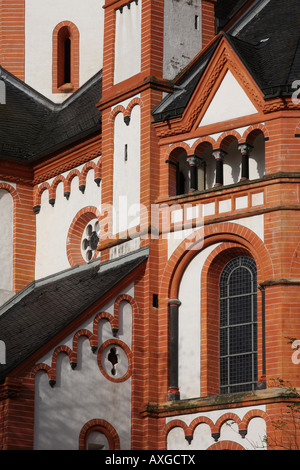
{"x":149,"y":236}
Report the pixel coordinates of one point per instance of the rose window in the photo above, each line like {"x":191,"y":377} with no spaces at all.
{"x":90,"y":239}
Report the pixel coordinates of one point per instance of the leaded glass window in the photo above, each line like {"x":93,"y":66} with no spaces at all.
{"x":238,"y":326}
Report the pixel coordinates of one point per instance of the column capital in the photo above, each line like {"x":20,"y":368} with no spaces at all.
{"x":219,"y":154}
{"x":174,"y":302}
{"x":193,"y":160}
{"x":245,"y":148}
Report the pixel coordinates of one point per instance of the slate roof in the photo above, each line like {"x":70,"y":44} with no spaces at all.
{"x":269,"y":46}
{"x":45,"y":307}
{"x":226,"y":9}
{"x":32,"y":126}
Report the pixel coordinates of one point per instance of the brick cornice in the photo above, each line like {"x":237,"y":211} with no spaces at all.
{"x":131,"y":87}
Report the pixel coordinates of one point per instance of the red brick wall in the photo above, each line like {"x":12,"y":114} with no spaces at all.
{"x":12,"y":36}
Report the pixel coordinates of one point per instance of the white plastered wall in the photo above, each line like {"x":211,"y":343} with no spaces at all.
{"x":53,"y":223}
{"x":84,"y":393}
{"x":41,"y":18}
{"x":6,"y":244}
{"x":128,"y":41}
{"x":126,"y":177}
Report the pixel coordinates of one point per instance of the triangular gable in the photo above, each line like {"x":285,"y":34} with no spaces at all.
{"x":229,"y":102}
{"x":226,"y":92}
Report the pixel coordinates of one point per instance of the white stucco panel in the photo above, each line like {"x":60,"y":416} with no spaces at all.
{"x":6,"y":244}
{"x":41,"y":18}
{"x":229,"y":102}
{"x":128,"y":41}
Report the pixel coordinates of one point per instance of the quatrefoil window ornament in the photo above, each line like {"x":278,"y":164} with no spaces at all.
{"x":90,"y":239}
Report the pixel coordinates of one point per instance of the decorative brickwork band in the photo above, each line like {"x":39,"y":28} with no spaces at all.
{"x":245,"y":150}
{"x":173,"y":392}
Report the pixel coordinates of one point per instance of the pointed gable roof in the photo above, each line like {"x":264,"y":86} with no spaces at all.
{"x":266,"y":40}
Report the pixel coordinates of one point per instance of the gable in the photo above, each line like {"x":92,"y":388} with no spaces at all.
{"x":229,"y":102}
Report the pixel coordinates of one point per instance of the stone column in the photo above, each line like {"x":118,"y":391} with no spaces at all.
{"x":173,"y":390}
{"x":245,"y":150}
{"x":219,"y":158}
{"x":195,"y":163}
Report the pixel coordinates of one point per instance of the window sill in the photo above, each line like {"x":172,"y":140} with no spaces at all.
{"x":65,"y":88}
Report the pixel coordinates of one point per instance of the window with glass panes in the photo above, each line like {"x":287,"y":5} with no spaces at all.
{"x":238,"y":326}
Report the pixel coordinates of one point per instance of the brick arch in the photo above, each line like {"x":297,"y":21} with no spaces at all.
{"x":72,"y":175}
{"x":81,"y":334}
{"x":69,"y":29}
{"x":59,"y":179}
{"x":125,"y":111}
{"x":39,"y":191}
{"x":118,"y":109}
{"x":227,"y":138}
{"x":177,"y":148}
{"x":10,"y":189}
{"x":201,"y":420}
{"x":121,"y":298}
{"x":255,"y":128}
{"x":63,"y":349}
{"x":102,"y":426}
{"x":203,"y":237}
{"x":254,"y":414}
{"x":224,"y":418}
{"x":226,"y":445}
{"x":80,"y":221}
{"x":40,"y":368}
{"x":89,"y":166}
{"x":135,"y":102}
{"x":101,"y":316}
{"x":175,"y":423}
{"x":202,"y":141}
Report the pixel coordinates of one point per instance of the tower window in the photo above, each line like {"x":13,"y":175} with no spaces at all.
{"x":65,"y":57}
{"x":197,"y":22}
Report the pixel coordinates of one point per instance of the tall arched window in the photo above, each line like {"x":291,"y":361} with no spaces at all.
{"x":65,"y":57}
{"x":238,"y":326}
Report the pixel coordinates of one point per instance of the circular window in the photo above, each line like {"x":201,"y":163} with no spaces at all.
{"x":114,"y":361}
{"x":90,"y":240}
{"x":83,"y":237}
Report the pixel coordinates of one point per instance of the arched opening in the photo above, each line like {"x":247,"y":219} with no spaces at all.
{"x":65,"y":58}
{"x":207,"y":166}
{"x":257,"y":156}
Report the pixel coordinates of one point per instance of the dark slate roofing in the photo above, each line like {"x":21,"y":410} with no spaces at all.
{"x":45,"y":307}
{"x":226,"y":9}
{"x":269,"y":46}
{"x":32,"y":126}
